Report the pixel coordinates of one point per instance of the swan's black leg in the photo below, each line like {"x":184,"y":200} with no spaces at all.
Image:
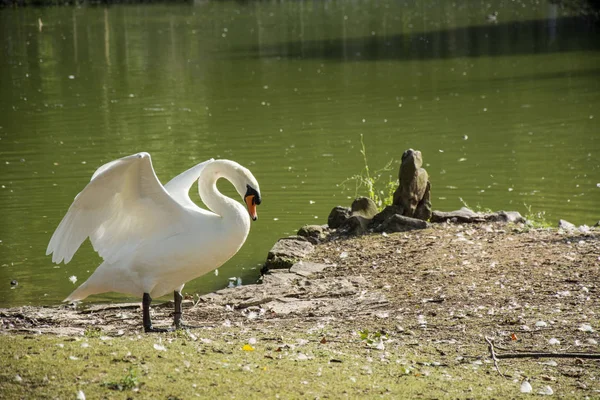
{"x":177,"y":314}
{"x":146,"y":315}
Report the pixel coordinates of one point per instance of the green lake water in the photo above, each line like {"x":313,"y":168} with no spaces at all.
{"x":505,"y":112}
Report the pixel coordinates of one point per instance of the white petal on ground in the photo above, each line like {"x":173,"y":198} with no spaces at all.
{"x":344,"y":254}
{"x":251,"y":315}
{"x":551,"y":363}
{"x":541,"y":324}
{"x":586,"y":328}
{"x":80,"y":395}
{"x":553,"y":341}
{"x":252,"y":340}
{"x":159,"y":347}
{"x":73,"y":278}
{"x":301,"y":357}
{"x":18,"y":378}
{"x":526,"y":387}
{"x":547,"y":391}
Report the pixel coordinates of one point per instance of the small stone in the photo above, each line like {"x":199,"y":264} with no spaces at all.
{"x":338,"y":216}
{"x":315,"y":233}
{"x":364,"y":207}
{"x":553,"y":341}
{"x":400,"y":223}
{"x":566,"y":225}
{"x":541,"y":324}
{"x":586,"y":328}
{"x":286,"y":252}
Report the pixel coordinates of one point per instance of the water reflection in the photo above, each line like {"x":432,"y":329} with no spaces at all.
{"x":553,"y":35}
{"x":287,"y":89}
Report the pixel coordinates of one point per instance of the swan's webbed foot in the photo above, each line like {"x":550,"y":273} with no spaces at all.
{"x":151,"y":329}
{"x":148,"y":328}
{"x":182,"y":325}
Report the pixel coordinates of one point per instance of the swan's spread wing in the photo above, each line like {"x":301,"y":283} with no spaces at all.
{"x":123,"y":206}
{"x":179,"y":187}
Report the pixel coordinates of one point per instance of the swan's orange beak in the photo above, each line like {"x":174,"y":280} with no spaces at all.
{"x":251,"y":203}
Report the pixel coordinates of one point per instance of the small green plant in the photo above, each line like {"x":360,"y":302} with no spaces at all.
{"x":537,"y":219}
{"x":128,"y":382}
{"x":381,"y":193}
{"x":478,"y":208}
{"x":372,"y":339}
{"x":92,"y":332}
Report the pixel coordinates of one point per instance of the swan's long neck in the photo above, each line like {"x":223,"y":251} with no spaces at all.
{"x":222,"y":205}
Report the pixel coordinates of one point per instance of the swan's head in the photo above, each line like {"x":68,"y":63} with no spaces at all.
{"x":247,"y":186}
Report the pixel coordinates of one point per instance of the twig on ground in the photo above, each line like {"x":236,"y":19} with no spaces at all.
{"x":493,"y":353}
{"x":536,"y":354}
{"x":532,"y":354}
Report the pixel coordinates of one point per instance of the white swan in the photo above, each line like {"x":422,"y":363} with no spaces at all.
{"x":153,"y":238}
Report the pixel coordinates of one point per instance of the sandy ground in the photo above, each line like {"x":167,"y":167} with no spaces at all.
{"x":438,"y":293}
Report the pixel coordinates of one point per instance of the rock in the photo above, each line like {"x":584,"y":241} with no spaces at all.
{"x":286,"y":252}
{"x":510,"y":217}
{"x":413,"y":192}
{"x":338,"y":216}
{"x":364,"y":207}
{"x":307,"y":268}
{"x":566,"y":225}
{"x":355,"y":225}
{"x":400,"y":223}
{"x":386,"y":214}
{"x":279,"y":277}
{"x":423,"y":210}
{"x":314,"y":233}
{"x":462,"y":215}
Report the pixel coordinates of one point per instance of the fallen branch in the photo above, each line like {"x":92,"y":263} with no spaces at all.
{"x":536,"y":354}
{"x":494,"y":357}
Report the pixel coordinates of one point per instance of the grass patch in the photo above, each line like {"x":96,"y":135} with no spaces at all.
{"x":128,"y":382}
{"x":536,"y":219}
{"x":378,"y":187}
{"x":303,"y":366}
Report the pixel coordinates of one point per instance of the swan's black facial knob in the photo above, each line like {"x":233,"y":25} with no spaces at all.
{"x":252,"y":199}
